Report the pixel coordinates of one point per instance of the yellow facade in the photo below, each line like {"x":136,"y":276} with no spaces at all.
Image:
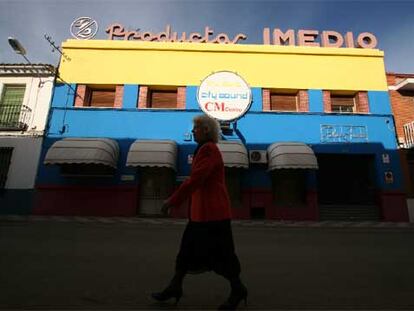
{"x":181,"y":64}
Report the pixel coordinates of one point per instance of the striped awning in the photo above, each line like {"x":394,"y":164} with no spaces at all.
{"x":83,"y":151}
{"x":290,"y":155}
{"x":234,"y":154}
{"x":153,"y":153}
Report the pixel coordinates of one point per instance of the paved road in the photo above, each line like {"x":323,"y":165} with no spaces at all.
{"x":114,"y":264}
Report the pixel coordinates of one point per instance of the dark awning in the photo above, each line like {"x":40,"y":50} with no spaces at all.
{"x":83,"y":151}
{"x":291,"y":155}
{"x":234,"y":154}
{"x":153,"y":153}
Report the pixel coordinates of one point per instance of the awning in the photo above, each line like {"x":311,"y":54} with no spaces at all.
{"x":234,"y":154}
{"x":83,"y":151}
{"x":291,"y":155}
{"x":404,"y":85}
{"x":153,"y":153}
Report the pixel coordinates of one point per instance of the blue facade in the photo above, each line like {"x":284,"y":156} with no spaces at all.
{"x":257,"y":129}
{"x":326,"y":133}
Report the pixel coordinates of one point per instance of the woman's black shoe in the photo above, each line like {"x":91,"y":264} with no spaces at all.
{"x":168,"y":293}
{"x":234,"y":299}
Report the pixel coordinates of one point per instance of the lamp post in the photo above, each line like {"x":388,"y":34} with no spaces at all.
{"x":19,"y":49}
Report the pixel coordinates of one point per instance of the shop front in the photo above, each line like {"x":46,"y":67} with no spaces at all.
{"x":308,"y":135}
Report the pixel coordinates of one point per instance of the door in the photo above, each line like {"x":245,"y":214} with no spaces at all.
{"x":156,"y":185}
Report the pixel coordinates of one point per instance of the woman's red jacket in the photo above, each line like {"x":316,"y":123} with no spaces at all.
{"x":206,"y":186}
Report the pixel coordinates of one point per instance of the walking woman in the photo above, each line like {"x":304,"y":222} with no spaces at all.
{"x":207,"y":242}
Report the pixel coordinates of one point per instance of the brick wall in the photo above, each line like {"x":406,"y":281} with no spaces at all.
{"x":303,"y":101}
{"x":143,"y":97}
{"x":362,"y":105}
{"x":81,"y":91}
{"x":181,"y":97}
{"x":402,"y":104}
{"x":119,"y":94}
{"x":327,"y":101}
{"x":266,"y":99}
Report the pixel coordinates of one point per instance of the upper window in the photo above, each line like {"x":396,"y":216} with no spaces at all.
{"x":162,"y":98}
{"x":100,"y":97}
{"x":11,"y":115}
{"x":103,"y":96}
{"x":283,"y":102}
{"x":343,"y":103}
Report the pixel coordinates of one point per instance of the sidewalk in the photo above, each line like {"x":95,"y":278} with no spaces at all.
{"x":96,"y":263}
{"x":174,"y":221}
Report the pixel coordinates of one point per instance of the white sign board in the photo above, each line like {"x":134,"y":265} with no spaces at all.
{"x":224,"y":96}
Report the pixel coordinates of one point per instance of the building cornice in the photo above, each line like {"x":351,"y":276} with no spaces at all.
{"x":43,"y":70}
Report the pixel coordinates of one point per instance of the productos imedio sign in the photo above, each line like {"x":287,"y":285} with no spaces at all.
{"x":86,"y":28}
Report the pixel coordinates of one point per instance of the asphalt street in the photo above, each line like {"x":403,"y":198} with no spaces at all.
{"x":89,"y":264}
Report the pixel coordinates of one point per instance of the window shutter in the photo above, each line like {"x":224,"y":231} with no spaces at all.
{"x":283,"y":102}
{"x":342,"y":100}
{"x":163,"y":99}
{"x":102,"y":98}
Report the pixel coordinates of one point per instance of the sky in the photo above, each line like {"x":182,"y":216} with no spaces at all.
{"x":392,"y":22}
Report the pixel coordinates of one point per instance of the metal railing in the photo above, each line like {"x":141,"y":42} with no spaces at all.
{"x":14,"y":117}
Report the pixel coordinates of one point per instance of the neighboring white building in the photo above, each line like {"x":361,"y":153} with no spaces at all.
{"x":25,"y":96}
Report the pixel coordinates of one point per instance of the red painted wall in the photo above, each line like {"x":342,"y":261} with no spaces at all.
{"x":86,"y":201}
{"x":393,"y":206}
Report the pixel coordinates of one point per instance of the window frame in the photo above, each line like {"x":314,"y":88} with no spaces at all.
{"x":354,"y":105}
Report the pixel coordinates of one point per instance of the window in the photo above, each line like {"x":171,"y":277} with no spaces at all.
{"x":162,"y":97}
{"x":283,"y":102}
{"x":5,"y":158}
{"x":156,"y":185}
{"x":100,"y":97}
{"x":343,"y":103}
{"x":289,"y":187}
{"x":11,"y":106}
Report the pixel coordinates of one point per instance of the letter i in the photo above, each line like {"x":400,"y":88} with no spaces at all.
{"x":349,"y":40}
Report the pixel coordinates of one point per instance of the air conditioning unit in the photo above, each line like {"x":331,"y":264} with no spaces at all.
{"x":258,"y":156}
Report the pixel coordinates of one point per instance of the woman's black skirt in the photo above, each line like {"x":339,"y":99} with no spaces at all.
{"x":208,"y":246}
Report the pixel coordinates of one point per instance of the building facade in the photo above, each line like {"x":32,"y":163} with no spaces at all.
{"x":318,"y":141}
{"x":401,"y":90}
{"x":25,"y":95}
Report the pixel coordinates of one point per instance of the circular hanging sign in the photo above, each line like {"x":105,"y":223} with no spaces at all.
{"x":224,"y":96}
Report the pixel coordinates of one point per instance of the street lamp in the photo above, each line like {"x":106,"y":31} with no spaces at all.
{"x":19,"y":49}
